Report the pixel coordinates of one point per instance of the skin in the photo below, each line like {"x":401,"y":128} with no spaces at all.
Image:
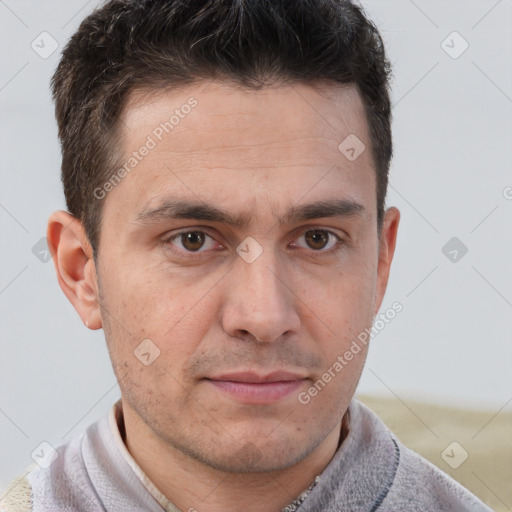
{"x":255,"y":153}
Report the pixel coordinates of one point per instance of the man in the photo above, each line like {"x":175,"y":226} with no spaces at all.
{"x":225,"y":169}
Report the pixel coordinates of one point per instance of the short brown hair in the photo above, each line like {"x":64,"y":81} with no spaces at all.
{"x":128,"y":44}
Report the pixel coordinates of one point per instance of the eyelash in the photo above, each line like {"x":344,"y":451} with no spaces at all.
{"x":190,"y":254}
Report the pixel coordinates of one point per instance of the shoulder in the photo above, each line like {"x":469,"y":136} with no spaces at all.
{"x":59,"y":476}
{"x":418,"y":485}
{"x":415,"y":484}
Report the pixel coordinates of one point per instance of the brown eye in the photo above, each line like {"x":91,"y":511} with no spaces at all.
{"x":321,"y":241}
{"x":317,"y":239}
{"x":186,"y":243}
{"x":192,"y":240}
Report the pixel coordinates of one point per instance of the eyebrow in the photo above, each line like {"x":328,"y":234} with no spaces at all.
{"x":172,"y":208}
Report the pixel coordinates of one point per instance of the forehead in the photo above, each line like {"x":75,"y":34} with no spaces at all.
{"x":213,"y":139}
{"x":283,"y":111}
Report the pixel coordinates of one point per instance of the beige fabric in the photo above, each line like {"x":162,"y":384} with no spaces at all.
{"x":18,"y":496}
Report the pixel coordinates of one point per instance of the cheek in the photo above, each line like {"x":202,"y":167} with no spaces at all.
{"x":173,"y":316}
{"x":341,"y":313}
{"x":150,"y":301}
{"x":344,"y":301}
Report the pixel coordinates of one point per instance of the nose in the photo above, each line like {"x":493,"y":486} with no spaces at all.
{"x":260,"y":302}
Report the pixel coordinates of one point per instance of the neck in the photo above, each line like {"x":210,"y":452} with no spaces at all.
{"x":193,"y":486}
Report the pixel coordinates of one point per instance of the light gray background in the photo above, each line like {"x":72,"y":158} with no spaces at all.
{"x":452,"y":166}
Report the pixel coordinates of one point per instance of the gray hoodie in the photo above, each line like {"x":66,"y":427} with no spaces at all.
{"x":371,"y":471}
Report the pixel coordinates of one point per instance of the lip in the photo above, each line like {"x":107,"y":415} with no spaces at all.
{"x":256,"y":378}
{"x":253,"y":388}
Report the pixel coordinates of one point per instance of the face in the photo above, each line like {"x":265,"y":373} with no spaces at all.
{"x":238,"y":258}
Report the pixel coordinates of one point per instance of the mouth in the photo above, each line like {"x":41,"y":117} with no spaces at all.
{"x":253,"y":388}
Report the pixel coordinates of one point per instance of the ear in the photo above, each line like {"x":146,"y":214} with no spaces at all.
{"x":387,"y":244}
{"x":76,"y":271}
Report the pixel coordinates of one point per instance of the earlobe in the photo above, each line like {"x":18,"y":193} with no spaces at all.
{"x":387,"y":243}
{"x":75,"y":267}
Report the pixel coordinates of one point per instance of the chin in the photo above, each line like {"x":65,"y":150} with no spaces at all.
{"x":244,"y":456}
{"x":249,"y":459}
